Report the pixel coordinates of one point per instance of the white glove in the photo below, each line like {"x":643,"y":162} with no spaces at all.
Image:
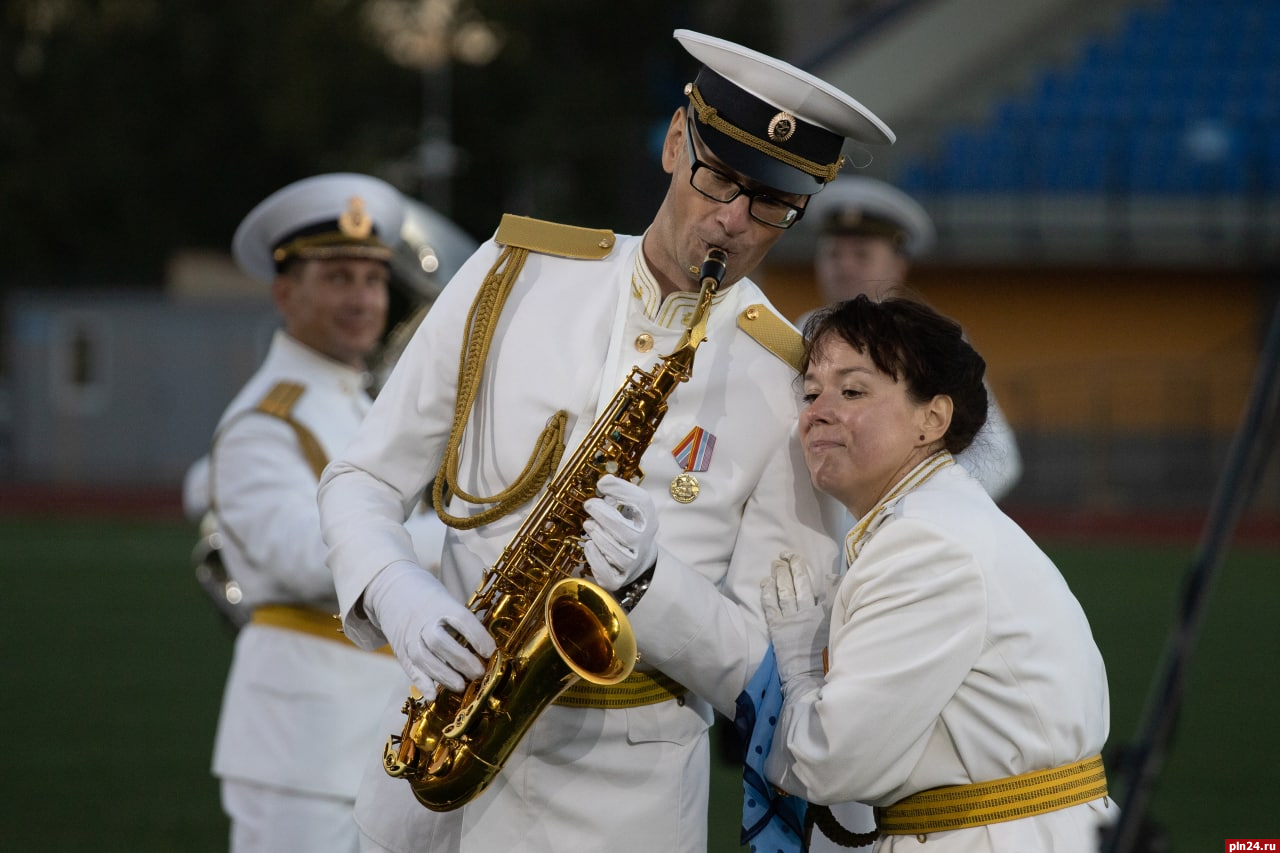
{"x":622,"y":532}
{"x":799,"y":623}
{"x":417,"y":615}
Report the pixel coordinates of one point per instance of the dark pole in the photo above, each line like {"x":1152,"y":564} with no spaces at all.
{"x":436,"y":153}
{"x":1257,"y":434}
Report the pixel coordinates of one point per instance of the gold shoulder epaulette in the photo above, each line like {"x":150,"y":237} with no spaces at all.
{"x":553,"y":238}
{"x":279,"y":403}
{"x":773,"y":333}
{"x":280,"y":400}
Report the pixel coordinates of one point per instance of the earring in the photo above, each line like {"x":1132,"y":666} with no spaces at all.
{"x":922,"y":438}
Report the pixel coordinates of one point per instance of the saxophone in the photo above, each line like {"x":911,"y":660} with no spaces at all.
{"x":552,"y":626}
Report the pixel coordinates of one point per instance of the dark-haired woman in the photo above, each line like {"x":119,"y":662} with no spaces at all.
{"x":962,"y":693}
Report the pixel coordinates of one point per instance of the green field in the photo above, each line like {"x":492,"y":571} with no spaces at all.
{"x":115,"y":664}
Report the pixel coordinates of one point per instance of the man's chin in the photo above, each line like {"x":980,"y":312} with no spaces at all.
{"x":826,"y":479}
{"x":363,"y":342}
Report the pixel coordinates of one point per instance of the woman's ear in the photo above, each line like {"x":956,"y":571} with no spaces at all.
{"x":935,"y":418}
{"x":673,"y":144}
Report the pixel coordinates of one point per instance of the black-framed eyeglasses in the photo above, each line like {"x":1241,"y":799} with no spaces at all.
{"x":718,"y":186}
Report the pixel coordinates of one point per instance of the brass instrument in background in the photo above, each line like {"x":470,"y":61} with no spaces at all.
{"x":211,"y":574}
{"x":551,"y":624}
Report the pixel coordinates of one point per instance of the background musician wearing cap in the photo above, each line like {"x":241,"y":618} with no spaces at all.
{"x":301,"y":705}
{"x":723,"y":480}
{"x":869,"y":234}
{"x":952,"y":656}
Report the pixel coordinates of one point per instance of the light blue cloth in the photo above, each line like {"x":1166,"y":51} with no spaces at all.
{"x":771,"y":822}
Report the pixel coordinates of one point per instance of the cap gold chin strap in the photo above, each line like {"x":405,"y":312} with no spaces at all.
{"x":481,"y":322}
{"x":708,"y":115}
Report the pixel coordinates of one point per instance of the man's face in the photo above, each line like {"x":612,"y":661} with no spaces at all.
{"x":847,"y":265}
{"x":689,"y":223}
{"x":338,"y":306}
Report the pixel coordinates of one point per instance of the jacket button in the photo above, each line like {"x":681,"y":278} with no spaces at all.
{"x":644,"y":342}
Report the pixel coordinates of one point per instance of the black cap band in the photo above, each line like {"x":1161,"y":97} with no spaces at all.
{"x":857,"y":223}
{"x":352,"y":235}
{"x":764,"y":143}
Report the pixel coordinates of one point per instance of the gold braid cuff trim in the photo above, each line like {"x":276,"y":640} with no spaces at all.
{"x":304,"y":620}
{"x":639,"y":688}
{"x":982,"y":803}
{"x":708,"y":115}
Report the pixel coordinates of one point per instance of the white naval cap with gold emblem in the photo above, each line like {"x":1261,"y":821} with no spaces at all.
{"x":771,"y":121}
{"x":863,"y":206}
{"x":339,"y":215}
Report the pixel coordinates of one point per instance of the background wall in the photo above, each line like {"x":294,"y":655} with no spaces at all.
{"x":1124,"y":386}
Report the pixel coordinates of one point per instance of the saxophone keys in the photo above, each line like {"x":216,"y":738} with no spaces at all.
{"x":441,"y":761}
{"x":397,"y":756}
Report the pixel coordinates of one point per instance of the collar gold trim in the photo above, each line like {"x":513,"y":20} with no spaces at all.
{"x":866,"y":525}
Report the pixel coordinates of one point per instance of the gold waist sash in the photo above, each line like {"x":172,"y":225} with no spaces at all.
{"x":639,"y":688}
{"x":965,"y":806}
{"x":305,"y":620}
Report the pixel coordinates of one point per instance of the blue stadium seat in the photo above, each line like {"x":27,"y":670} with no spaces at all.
{"x":1182,"y":98}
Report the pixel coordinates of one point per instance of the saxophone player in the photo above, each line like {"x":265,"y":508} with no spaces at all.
{"x":488,"y":399}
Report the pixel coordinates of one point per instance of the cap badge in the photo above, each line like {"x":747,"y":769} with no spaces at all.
{"x":782,"y":127}
{"x":354,"y":221}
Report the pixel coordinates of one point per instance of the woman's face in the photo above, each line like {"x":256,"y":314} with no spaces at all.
{"x":860,"y":430}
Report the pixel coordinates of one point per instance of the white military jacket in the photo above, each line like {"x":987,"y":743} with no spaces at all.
{"x":957,"y":655}
{"x":570,"y":333}
{"x":298,"y":712}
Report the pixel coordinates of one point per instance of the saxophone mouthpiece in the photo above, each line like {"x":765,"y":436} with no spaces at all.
{"x":714,"y":266}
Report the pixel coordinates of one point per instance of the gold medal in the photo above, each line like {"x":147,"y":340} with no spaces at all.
{"x":684,"y":488}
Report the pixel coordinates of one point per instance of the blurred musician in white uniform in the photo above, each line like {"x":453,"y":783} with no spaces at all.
{"x":301,"y":705}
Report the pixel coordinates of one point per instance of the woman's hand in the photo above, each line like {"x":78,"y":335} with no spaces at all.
{"x":799,"y":623}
